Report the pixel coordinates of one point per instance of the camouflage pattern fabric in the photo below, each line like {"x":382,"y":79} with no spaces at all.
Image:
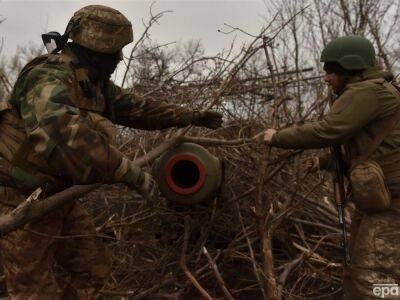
{"x":27,"y":255}
{"x":68,"y":138}
{"x":375,"y":254}
{"x":135,"y":111}
{"x":100,"y":28}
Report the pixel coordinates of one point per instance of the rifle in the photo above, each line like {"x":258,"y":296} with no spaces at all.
{"x":340,"y":196}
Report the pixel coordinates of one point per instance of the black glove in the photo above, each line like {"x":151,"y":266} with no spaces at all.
{"x":208,"y":118}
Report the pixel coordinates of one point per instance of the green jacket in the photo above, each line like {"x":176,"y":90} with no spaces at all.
{"x":353,"y":122}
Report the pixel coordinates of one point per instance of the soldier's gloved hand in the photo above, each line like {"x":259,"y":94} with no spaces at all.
{"x":309,"y":165}
{"x":147,"y":187}
{"x":140,"y":181}
{"x":207,"y":118}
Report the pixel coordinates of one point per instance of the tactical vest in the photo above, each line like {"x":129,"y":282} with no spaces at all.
{"x":15,"y":147}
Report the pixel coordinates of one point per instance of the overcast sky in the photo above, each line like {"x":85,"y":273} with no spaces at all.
{"x":27,"y":20}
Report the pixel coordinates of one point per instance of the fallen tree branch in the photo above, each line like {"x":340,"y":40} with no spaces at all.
{"x":218,"y":275}
{"x":156,"y":152}
{"x":34,"y":209}
{"x":183,"y":265}
{"x":31,"y":210}
{"x":221,"y":142}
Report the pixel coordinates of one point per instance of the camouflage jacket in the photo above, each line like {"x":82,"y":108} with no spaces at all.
{"x":353,"y":121}
{"x":68,"y":125}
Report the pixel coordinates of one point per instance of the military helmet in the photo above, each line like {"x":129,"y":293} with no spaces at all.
{"x":350,"y":52}
{"x":100,"y":28}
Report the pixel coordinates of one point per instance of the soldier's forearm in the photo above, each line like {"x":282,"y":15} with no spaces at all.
{"x":158,"y":119}
{"x":76,"y":152}
{"x":140,"y":112}
{"x":301,"y":137}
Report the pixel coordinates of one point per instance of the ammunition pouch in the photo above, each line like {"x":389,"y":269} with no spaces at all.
{"x":368,"y":186}
{"x":370,"y":192}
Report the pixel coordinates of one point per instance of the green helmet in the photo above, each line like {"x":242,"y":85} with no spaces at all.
{"x":350,"y":52}
{"x":100,"y":28}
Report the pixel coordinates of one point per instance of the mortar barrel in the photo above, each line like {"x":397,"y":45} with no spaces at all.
{"x":188,"y":174}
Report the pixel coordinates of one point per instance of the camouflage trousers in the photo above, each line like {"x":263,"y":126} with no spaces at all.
{"x":375,"y":254}
{"x":65,"y":236}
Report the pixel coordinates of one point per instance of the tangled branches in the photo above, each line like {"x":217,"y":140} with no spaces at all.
{"x":271,"y":232}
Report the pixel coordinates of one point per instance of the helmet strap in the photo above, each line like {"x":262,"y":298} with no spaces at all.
{"x":55,"y":42}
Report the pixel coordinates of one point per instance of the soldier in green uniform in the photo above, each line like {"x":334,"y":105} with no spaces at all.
{"x":56,"y":131}
{"x":364,"y":102}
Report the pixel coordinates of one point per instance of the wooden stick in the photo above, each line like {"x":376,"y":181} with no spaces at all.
{"x":220,"y":280}
{"x":262,"y":206}
{"x":183,"y":265}
{"x":34,"y":209}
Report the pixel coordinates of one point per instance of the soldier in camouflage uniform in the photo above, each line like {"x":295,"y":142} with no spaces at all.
{"x":362,"y":103}
{"x":56,"y":131}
